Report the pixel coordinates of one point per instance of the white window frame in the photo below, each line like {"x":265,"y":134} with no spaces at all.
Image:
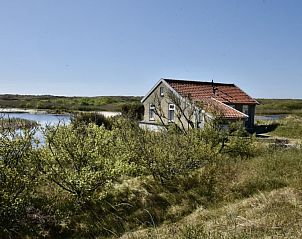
{"x":171,"y":108}
{"x":161,"y":91}
{"x":151,"y":112}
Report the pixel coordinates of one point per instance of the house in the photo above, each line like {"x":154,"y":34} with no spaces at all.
{"x":191,"y":103}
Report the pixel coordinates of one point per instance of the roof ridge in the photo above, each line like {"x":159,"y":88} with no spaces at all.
{"x":196,"y":81}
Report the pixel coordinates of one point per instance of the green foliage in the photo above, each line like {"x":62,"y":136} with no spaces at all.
{"x":13,"y":124}
{"x":240,"y":144}
{"x":80,"y":160}
{"x":279,"y":106}
{"x":90,"y":180}
{"x":53,"y":103}
{"x":290,"y":127}
{"x":19,"y":172}
{"x":133,"y":111}
{"x":87,"y":118}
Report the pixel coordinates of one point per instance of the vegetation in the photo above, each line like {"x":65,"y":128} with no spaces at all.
{"x":288,"y":127}
{"x":279,"y":106}
{"x":14,"y":123}
{"x":262,"y":200}
{"x":117,"y":103}
{"x":133,"y":111}
{"x":108,"y":178}
{"x":62,"y":103}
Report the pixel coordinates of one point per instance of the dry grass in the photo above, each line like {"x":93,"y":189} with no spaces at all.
{"x":275,"y":214}
{"x":263,"y":200}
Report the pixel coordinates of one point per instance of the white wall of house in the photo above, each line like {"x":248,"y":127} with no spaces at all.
{"x":169,"y":110}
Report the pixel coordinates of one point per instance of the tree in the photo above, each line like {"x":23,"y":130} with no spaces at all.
{"x":185,"y":109}
{"x":80,"y":160}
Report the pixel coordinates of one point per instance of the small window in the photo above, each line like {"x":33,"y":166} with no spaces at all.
{"x":171,"y":112}
{"x":161,"y":91}
{"x":151,"y":112}
{"x":233,"y":106}
{"x":245,"y":109}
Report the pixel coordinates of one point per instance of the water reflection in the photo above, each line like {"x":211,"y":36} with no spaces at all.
{"x":41,"y":119}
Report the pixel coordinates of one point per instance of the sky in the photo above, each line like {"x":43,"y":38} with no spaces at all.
{"x":123,"y":47}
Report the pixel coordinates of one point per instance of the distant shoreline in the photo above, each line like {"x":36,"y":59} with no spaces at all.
{"x":35,"y":111}
{"x":19,"y":110}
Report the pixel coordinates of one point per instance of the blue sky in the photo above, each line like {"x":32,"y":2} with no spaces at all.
{"x":123,"y":47}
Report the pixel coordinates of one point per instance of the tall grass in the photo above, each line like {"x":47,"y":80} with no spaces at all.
{"x":262,"y":200}
{"x":279,"y":106}
{"x":289,"y":127}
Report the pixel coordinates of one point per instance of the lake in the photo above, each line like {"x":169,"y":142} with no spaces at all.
{"x":44,"y":118}
{"x":268,"y":117}
{"x":41,"y":118}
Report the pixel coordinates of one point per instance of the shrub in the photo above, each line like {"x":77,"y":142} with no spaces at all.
{"x":86,"y":118}
{"x":133,"y":111}
{"x":19,"y":174}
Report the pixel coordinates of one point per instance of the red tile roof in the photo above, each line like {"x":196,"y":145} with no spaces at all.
{"x":214,"y":106}
{"x":197,"y":90}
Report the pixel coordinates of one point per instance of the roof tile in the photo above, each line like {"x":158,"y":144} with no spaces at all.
{"x":197,"y":90}
{"x":214,"y":106}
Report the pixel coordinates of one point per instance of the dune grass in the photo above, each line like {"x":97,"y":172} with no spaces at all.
{"x":272,"y":214}
{"x":264,"y":200}
{"x":289,"y":127}
{"x":279,"y":106}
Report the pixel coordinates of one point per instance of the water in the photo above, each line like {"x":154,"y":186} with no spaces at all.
{"x":44,"y":118}
{"x":268,"y":117}
{"x":40,"y":118}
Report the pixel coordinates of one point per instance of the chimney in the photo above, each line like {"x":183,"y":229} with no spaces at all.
{"x":213,"y":88}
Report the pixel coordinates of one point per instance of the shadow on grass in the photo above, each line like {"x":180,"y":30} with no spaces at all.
{"x":265,"y":128}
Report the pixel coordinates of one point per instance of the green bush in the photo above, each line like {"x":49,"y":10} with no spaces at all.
{"x":96,"y":118}
{"x":93,"y":180}
{"x":19,"y":174}
{"x":133,"y":111}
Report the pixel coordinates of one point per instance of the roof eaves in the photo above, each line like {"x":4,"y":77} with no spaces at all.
{"x":243,"y":114}
{"x":152,"y":89}
{"x":257,"y":103}
{"x":162,"y":80}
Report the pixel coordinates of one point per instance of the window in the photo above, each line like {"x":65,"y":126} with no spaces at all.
{"x":171,"y":112}
{"x":151,"y":112}
{"x":233,"y":106}
{"x":245,"y":109}
{"x":161,"y":91}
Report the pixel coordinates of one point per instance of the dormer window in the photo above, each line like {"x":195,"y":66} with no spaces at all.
{"x":161,"y":91}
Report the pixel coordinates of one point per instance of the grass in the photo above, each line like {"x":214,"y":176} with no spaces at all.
{"x":257,"y":197}
{"x":263,"y":199}
{"x":289,"y":127}
{"x":279,"y":106}
{"x":17,"y":123}
{"x":272,"y":214}
{"x":62,"y":103}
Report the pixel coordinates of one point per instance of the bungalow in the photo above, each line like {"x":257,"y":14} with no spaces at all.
{"x":191,"y":103}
